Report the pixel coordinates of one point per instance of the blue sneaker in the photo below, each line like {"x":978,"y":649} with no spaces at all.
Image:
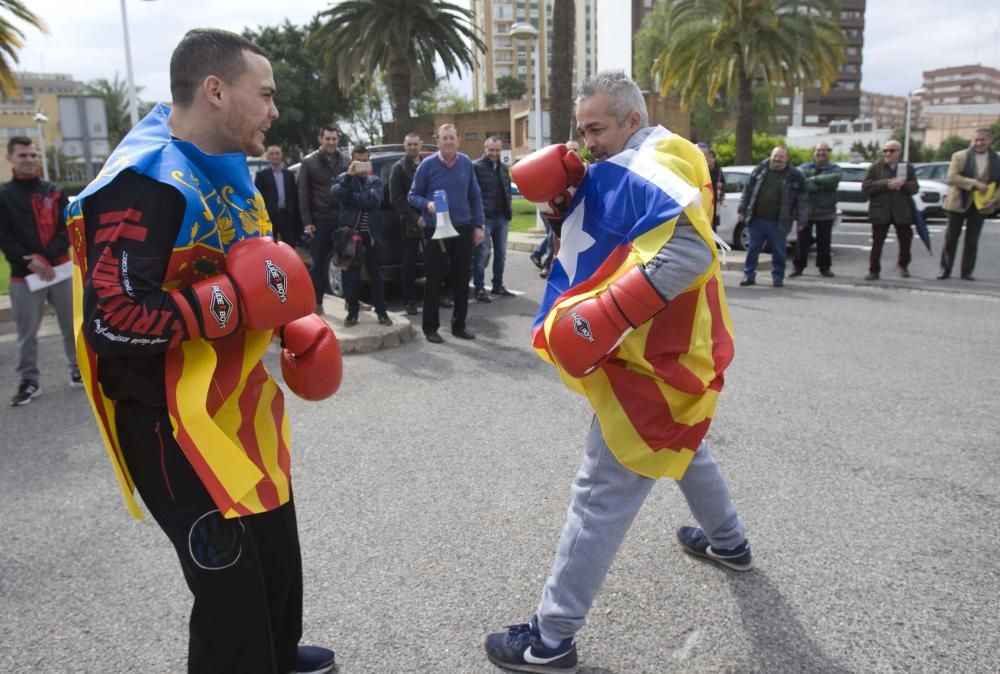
{"x":520,"y":648}
{"x":695,"y":543}
{"x":314,"y":660}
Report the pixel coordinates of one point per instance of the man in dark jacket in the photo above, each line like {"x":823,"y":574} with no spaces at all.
{"x":822,"y":178}
{"x":890,"y":203}
{"x":494,"y":183}
{"x":34,"y":240}
{"x":277,"y":186}
{"x":774,"y":198}
{"x":400,"y":180}
{"x":319,"y":211}
{"x":359,"y":193}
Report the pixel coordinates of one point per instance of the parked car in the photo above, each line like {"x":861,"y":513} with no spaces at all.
{"x":731,"y":230}
{"x":934,"y":170}
{"x":382,"y":158}
{"x":853,"y":202}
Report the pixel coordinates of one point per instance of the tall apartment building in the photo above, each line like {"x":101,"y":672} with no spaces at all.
{"x":961,"y":85}
{"x":506,"y":56}
{"x":889,"y":112}
{"x":841,"y":102}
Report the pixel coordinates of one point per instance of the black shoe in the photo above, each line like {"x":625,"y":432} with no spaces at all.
{"x":314,"y":660}
{"x":319,"y":310}
{"x":483,"y":296}
{"x":351,"y":320}
{"x":872,"y":276}
{"x":446,"y":303}
{"x":695,"y":543}
{"x":968,"y":277}
{"x":827,"y":273}
{"x":795,"y":274}
{"x":502,"y":292}
{"x":411,"y":309}
{"x":944,"y":276}
{"x":76,"y":380}
{"x":904,"y":272}
{"x":778,"y":283}
{"x":434,"y":338}
{"x":26,"y":392}
{"x":536,"y":260}
{"x":383,"y":318}
{"x":748,"y":282}
{"x":545,"y":273}
{"x":463,"y":334}
{"x":520,"y":648}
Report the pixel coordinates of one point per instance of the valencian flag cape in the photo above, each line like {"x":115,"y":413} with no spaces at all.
{"x":227,"y":413}
{"x":656,"y":393}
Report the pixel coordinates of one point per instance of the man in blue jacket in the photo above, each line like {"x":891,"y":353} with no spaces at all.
{"x":451,"y":171}
{"x":359,"y":194}
{"x":494,"y":183}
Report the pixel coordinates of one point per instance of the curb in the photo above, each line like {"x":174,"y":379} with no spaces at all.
{"x":368,"y":335}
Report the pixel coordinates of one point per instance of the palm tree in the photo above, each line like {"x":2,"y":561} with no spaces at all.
{"x":733,"y":45}
{"x":12,"y":39}
{"x":561,"y":89}
{"x":361,"y":38}
{"x":115,"y":95}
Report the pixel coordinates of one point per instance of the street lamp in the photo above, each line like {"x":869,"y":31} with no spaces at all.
{"x":523,"y":30}
{"x":133,"y":101}
{"x":906,"y":127}
{"x":40,"y":119}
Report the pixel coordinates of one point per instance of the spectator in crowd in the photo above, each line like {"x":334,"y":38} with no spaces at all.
{"x":974,"y":176}
{"x":494,"y":183}
{"x":281,"y":198}
{"x":774,"y":198}
{"x":400,"y":180}
{"x":822,"y":177}
{"x":359,"y":193}
{"x":34,"y":240}
{"x":320,"y":213}
{"x":545,"y":252}
{"x":890,"y":203}
{"x":673,"y":290}
{"x":718,"y":183}
{"x":175,"y":319}
{"x":451,"y":171}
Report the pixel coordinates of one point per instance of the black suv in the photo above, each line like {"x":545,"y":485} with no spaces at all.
{"x":382,"y":158}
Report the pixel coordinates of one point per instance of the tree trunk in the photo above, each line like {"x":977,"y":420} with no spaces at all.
{"x":744,"y":122}
{"x":561,"y":76}
{"x":400,"y":83}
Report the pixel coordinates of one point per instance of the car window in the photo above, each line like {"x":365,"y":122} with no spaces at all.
{"x":853,"y":175}
{"x":923,"y":171}
{"x":735,"y":182}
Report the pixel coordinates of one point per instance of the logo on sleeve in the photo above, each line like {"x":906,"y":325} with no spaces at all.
{"x":277,"y":280}
{"x":221,"y":307}
{"x":581,"y":326}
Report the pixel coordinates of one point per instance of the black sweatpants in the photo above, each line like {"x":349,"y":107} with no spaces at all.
{"x":245,"y":573}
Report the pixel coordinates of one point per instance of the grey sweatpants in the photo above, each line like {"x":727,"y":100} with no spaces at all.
{"x":27,"y":308}
{"x":606,"y":497}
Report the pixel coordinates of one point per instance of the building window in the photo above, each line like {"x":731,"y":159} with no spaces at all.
{"x":471,"y":136}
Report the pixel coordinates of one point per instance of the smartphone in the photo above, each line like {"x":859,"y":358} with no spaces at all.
{"x":362,"y":167}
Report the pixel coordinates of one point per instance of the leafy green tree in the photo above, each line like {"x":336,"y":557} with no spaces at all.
{"x":725,"y":149}
{"x":360,"y":39}
{"x":918,"y":152}
{"x":114,"y":92}
{"x":12,"y":39}
{"x":561,"y":75}
{"x":511,"y":88}
{"x":871,"y":151}
{"x":304,"y":102}
{"x":493,"y":99}
{"x":729,"y":46}
{"x":950,"y":146}
{"x":995,"y":131}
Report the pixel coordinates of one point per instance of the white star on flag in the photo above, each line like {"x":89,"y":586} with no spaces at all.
{"x":575,"y":242}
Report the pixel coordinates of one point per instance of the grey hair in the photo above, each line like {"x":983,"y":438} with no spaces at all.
{"x":622,"y":91}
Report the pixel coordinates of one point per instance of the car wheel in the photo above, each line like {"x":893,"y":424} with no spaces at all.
{"x":741,"y":237}
{"x":335,"y":277}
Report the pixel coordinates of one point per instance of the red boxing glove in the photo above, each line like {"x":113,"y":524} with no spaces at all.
{"x":547,"y":173}
{"x":265,"y":285}
{"x":584,"y":335}
{"x":310,"y":360}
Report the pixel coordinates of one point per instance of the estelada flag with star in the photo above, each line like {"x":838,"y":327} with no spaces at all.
{"x":656,"y":393}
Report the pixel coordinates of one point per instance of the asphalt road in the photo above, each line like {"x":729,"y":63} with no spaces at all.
{"x":858,"y":429}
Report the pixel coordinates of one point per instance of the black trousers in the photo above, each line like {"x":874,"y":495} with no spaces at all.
{"x":824,"y":232}
{"x":284,"y":228}
{"x":322,"y":245}
{"x":411,"y":251}
{"x":973,"y":221}
{"x":904,"y":237}
{"x":371,"y":257}
{"x":456,"y":253}
{"x":245,"y":573}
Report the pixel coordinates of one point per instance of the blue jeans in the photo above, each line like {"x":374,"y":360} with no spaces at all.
{"x":761,"y":230}
{"x":497,"y":227}
{"x":543,"y":251}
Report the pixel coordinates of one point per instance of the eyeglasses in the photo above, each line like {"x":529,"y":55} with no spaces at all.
{"x":890,"y":149}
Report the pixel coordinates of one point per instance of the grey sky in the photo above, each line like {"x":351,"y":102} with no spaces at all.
{"x":902,"y":37}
